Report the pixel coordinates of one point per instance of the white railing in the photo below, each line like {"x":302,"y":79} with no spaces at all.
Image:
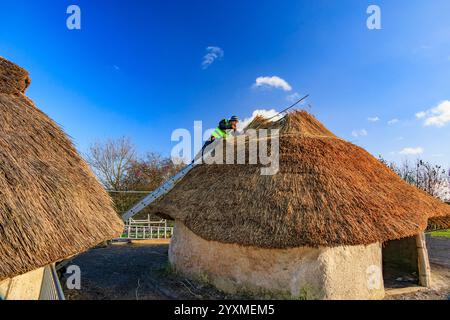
{"x":146,"y":230}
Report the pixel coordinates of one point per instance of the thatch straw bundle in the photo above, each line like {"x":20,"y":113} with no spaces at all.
{"x":328,"y":192}
{"x":51,"y":205}
{"x":13,"y":79}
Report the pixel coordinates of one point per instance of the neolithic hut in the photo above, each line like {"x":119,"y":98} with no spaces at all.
{"x":51,"y":205}
{"x":326,"y":226}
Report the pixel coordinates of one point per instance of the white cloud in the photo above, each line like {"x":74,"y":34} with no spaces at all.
{"x":438,"y":116}
{"x":373,"y":119}
{"x":421,"y":114}
{"x":393,"y":121}
{"x":412,"y":151}
{"x":293,"y":97}
{"x":359,"y":133}
{"x":213,"y":53}
{"x":261,"y":112}
{"x":116,"y":67}
{"x":274,"y":81}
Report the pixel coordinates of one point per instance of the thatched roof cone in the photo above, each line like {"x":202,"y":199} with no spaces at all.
{"x":51,"y":204}
{"x":328,"y":192}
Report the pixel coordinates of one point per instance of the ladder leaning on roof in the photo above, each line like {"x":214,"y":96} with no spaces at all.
{"x":167,"y":186}
{"x":162,"y":190}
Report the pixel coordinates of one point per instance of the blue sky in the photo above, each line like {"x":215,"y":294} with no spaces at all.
{"x":135,"y":68}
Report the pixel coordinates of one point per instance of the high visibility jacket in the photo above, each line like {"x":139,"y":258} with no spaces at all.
{"x":219,"y":133}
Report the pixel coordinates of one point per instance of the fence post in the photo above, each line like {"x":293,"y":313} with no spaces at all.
{"x":165,"y":229}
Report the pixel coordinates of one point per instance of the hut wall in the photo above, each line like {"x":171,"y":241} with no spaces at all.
{"x":401,"y":255}
{"x":24,"y":287}
{"x":298,"y":273}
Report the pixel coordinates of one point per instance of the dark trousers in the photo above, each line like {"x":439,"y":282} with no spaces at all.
{"x":207,"y":143}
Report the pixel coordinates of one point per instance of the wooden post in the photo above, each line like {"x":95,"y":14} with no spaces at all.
{"x":423,"y":261}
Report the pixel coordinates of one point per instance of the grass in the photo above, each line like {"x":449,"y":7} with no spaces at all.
{"x":442,"y":233}
{"x":167,"y":270}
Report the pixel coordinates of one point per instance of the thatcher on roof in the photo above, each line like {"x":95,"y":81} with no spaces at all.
{"x":51,"y":205}
{"x":328,"y":192}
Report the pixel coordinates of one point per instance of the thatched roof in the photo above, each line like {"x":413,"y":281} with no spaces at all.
{"x":13,"y":79}
{"x":328,"y":192}
{"x":51,"y":205}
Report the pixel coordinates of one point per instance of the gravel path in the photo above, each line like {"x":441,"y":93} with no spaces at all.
{"x":439,"y":251}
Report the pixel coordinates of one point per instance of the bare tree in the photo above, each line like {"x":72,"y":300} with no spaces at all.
{"x":430,"y":178}
{"x":406,"y":172}
{"x":144,"y":174}
{"x":150,"y":172}
{"x":111,"y":161}
{"x":424,"y":175}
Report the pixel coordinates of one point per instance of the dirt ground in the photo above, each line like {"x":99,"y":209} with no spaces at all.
{"x":142,"y":272}
{"x":134,"y":272}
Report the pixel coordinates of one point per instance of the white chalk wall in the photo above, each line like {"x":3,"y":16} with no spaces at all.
{"x":24,"y":287}
{"x":298,"y":273}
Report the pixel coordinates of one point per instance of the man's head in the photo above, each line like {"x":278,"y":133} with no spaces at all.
{"x":234,"y":120}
